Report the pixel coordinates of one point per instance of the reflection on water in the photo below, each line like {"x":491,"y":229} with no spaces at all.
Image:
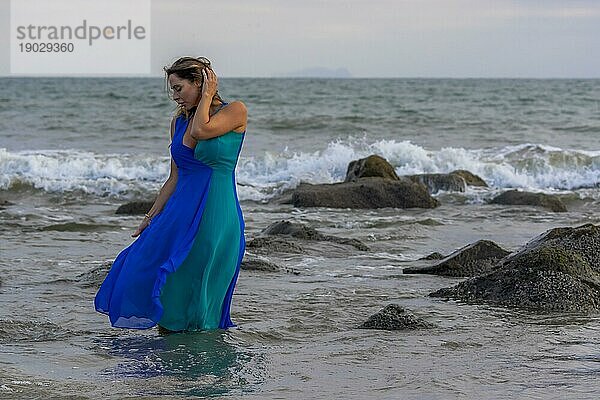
{"x":201,"y":363}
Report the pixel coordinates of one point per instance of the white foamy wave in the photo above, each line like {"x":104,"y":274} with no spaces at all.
{"x":70,"y":170}
{"x":530,"y":167}
{"x":262,"y":177}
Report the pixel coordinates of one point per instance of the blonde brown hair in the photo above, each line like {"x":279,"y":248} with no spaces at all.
{"x":189,"y":68}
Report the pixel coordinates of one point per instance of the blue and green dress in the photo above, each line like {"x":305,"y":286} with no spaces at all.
{"x":181,"y":271}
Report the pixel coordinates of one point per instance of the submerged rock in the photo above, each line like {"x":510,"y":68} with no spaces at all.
{"x":257,"y":264}
{"x":95,"y":276}
{"x":5,"y":203}
{"x":455,"y":181}
{"x":437,"y":182}
{"x":15,"y":331}
{"x":393,"y":317}
{"x":433,"y":256}
{"x":364,"y":193}
{"x":470,"y":178}
{"x":370,"y":166}
{"x":135,"y":207}
{"x":471,"y":260}
{"x":305,"y":232}
{"x":274,"y":245}
{"x":515,"y":197}
{"x":252,"y":263}
{"x":557,"y":271}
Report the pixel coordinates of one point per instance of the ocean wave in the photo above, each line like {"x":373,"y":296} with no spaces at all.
{"x":80,"y":171}
{"x":262,"y":177}
{"x":528,"y":166}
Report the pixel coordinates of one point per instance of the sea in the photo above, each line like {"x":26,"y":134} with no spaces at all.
{"x":72,"y":150}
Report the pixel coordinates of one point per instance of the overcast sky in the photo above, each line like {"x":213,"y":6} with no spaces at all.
{"x":382,"y":38}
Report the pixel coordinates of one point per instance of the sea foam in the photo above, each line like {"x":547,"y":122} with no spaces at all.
{"x":264,"y":176}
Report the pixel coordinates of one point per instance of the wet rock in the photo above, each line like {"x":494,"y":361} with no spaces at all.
{"x":371,"y":192}
{"x":470,"y":178}
{"x":252,"y":263}
{"x":557,"y":271}
{"x":14,"y":331}
{"x":274,"y":245}
{"x":433,"y":256}
{"x":135,"y":207}
{"x":437,"y":182}
{"x":305,"y":232}
{"x":370,"y":166}
{"x":257,"y":264}
{"x":393,"y":317}
{"x":515,"y":197}
{"x":591,"y":185}
{"x":5,"y":203}
{"x":471,"y":260}
{"x":95,"y":276}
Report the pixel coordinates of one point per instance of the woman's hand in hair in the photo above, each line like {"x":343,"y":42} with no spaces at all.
{"x":209,"y":87}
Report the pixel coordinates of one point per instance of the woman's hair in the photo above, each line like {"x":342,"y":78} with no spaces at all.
{"x":189,"y":68}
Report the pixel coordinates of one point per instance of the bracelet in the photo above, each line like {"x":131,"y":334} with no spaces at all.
{"x":149,"y":217}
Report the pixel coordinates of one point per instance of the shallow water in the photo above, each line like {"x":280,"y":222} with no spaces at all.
{"x":297,"y":333}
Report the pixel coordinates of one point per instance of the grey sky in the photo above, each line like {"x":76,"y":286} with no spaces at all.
{"x":382,"y":38}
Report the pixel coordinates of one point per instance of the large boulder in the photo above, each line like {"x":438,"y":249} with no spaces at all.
{"x":370,"y":166}
{"x":557,"y":271}
{"x":301,"y":231}
{"x":516,"y":197}
{"x":471,"y":260}
{"x":393,"y":317}
{"x":364,"y":193}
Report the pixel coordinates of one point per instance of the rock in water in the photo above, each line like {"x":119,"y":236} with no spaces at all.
{"x":474,"y":259}
{"x":393,"y":317}
{"x":557,"y":271}
{"x":470,"y":178}
{"x":268,"y":245}
{"x":257,"y":264}
{"x":515,"y":197}
{"x":364,"y":193}
{"x":455,"y":181}
{"x":433,"y":256}
{"x":135,"y":207}
{"x":95,"y":276}
{"x":297,"y":230}
{"x":373,"y":165}
{"x":301,"y":231}
{"x":437,"y":182}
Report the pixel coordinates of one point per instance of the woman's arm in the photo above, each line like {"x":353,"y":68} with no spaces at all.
{"x":232,"y":117}
{"x":164,"y":193}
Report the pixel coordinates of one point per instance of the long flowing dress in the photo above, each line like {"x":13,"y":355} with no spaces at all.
{"x":181,"y":270}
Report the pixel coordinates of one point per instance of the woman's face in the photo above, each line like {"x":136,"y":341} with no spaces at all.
{"x":185,"y":93}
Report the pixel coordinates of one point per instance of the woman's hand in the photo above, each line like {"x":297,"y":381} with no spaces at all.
{"x":142,"y":226}
{"x":210,"y":84}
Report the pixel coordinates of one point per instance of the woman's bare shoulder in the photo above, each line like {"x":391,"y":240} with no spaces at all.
{"x":237,"y":106}
{"x":237,"y":109}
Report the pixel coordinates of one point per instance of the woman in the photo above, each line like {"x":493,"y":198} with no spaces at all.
{"x":181,"y":270}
